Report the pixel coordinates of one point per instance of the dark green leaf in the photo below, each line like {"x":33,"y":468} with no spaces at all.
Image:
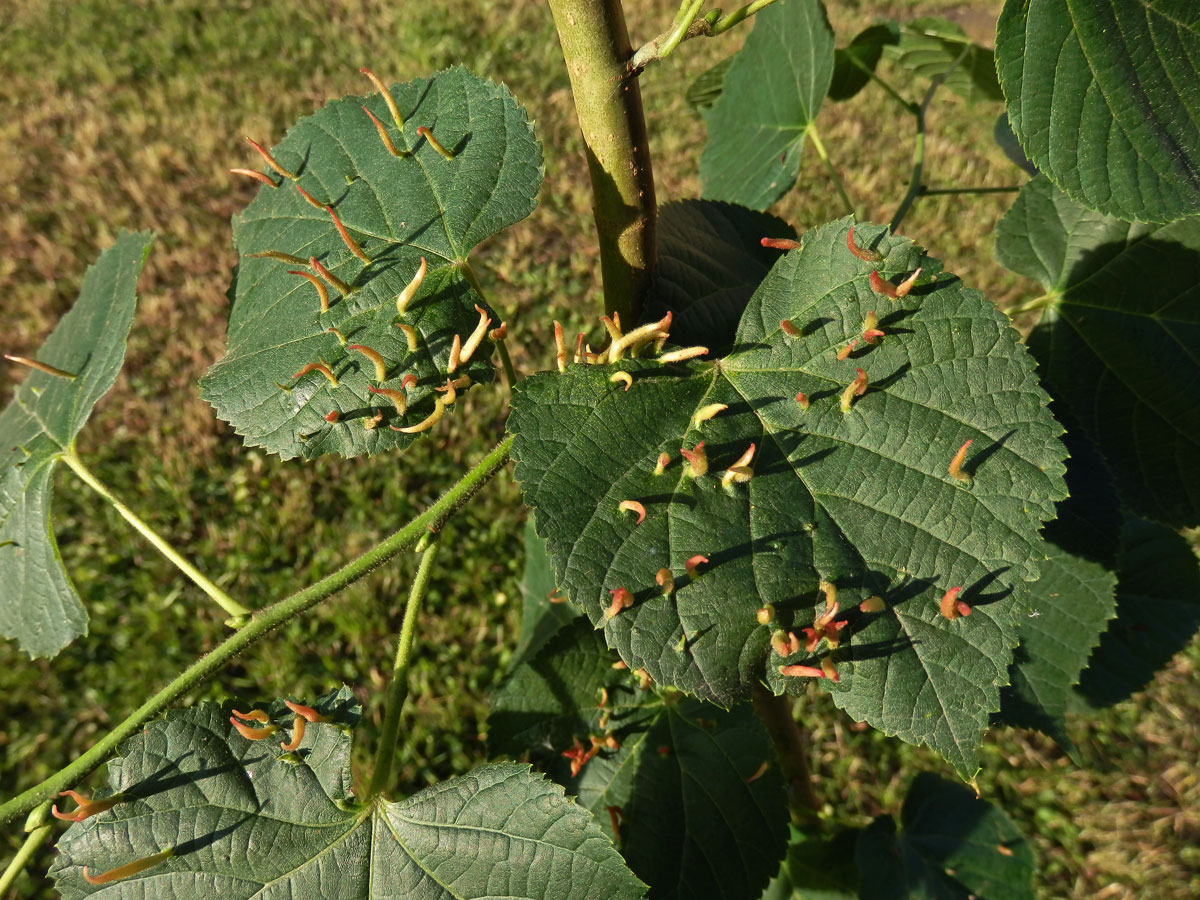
{"x":38,"y":605}
{"x":1117,"y":344}
{"x":817,"y":867}
{"x":951,"y":846}
{"x":246,"y":819}
{"x":933,"y":47}
{"x":771,"y":95}
{"x":1007,"y":141}
{"x":1072,"y":603}
{"x":1158,"y":612}
{"x":399,"y":210}
{"x":861,"y":499}
{"x":854,"y":64}
{"x":710,"y":262}
{"x":704,"y":91}
{"x":696,"y":822}
{"x":540,"y":618}
{"x":1106,"y":100}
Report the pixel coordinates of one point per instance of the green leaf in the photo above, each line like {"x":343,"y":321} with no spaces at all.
{"x":710,"y":262}
{"x":1106,"y":101}
{"x":1158,"y":613}
{"x":817,"y":867}
{"x":771,"y":95}
{"x":854,"y":64}
{"x":1072,"y":603}
{"x":704,"y":91}
{"x":247,"y":819}
{"x":39,"y":605}
{"x":1006,"y":139}
{"x":696,"y":822}
{"x":540,"y":618}
{"x":399,"y":210}
{"x":951,"y":846}
{"x":1116,"y":346}
{"x":862,"y":499}
{"x":932,"y":47}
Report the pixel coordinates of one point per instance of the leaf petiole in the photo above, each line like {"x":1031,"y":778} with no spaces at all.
{"x":222,"y":599}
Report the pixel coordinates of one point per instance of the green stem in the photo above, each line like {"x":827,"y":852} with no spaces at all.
{"x":510,"y":374}
{"x":263,"y":621}
{"x":1047,"y":299}
{"x":933,"y":192}
{"x":38,"y":830}
{"x":608,"y":103}
{"x":685,"y":27}
{"x":915,"y":187}
{"x":815,"y":137}
{"x":223,"y":600}
{"x":737,"y":16}
{"x":888,"y":89}
{"x":398,"y":689}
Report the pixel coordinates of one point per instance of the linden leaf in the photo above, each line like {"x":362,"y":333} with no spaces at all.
{"x":398,"y":210}
{"x":245,"y":818}
{"x":862,"y":499}
{"x":1105,"y":99}
{"x":39,"y":605}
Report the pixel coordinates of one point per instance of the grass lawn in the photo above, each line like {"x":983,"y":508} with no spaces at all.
{"x":129,"y":116}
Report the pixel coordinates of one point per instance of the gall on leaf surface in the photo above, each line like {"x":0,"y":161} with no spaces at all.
{"x":398,"y":210}
{"x":700,"y":804}
{"x":38,"y":604}
{"x":247,"y":820}
{"x":1105,"y":100}
{"x":860,"y":499}
{"x":1116,"y":344}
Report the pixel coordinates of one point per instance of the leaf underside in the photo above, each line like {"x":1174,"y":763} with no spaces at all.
{"x":861,"y":499}
{"x":695,"y":822}
{"x":932,"y":47}
{"x":1117,"y":347}
{"x":1106,"y":101}
{"x":246,"y":820}
{"x":855,"y":63}
{"x":39,"y":605}
{"x":399,"y":210}
{"x":771,"y":93}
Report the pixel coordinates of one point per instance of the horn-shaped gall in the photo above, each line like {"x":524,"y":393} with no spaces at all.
{"x":801,"y":672}
{"x":279,"y":255}
{"x":316,"y":282}
{"x":344,"y":288}
{"x":312,"y":201}
{"x":337,"y":332}
{"x":740,"y":471}
{"x":129,"y":869}
{"x":765,"y":615}
{"x":637,"y":338}
{"x":333,"y":416}
{"x":872,"y":605}
{"x":410,"y":290}
{"x":865,"y":255}
{"x":317,"y":367}
{"x":270,"y":160}
{"x":375,"y":357}
{"x":682,"y":355}
{"x":84,"y":807}
{"x":704,"y":413}
{"x":871,"y":333}
{"x":399,"y":400}
{"x":387,"y":97}
{"x":435,"y":143}
{"x":951,"y":607}
{"x":634,"y":507}
{"x":455,"y":354}
{"x":790,"y":328}
{"x":759,"y":772}
{"x":660,"y":464}
{"x":255,"y":715}
{"x":40,"y":366}
{"x":847,"y":350}
{"x":623,"y":377}
{"x":621,"y":599}
{"x":956,"y":464}
{"x":856,"y":388}
{"x":665,"y":581}
{"x":829,"y":669}
{"x":692,"y":566}
{"x":802,"y":399}
{"x":781,"y":645}
{"x":560,"y":347}
{"x":439,"y":410}
{"x":298,"y":726}
{"x":471,"y":344}
{"x":697,"y":460}
{"x":256,"y":175}
{"x":780,"y":243}
{"x":351,"y":244}
{"x":388,"y":143}
{"x":250,"y":733}
{"x":410,"y":336}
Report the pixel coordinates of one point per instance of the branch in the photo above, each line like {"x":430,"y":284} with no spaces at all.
{"x":685,"y":27}
{"x":263,"y":621}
